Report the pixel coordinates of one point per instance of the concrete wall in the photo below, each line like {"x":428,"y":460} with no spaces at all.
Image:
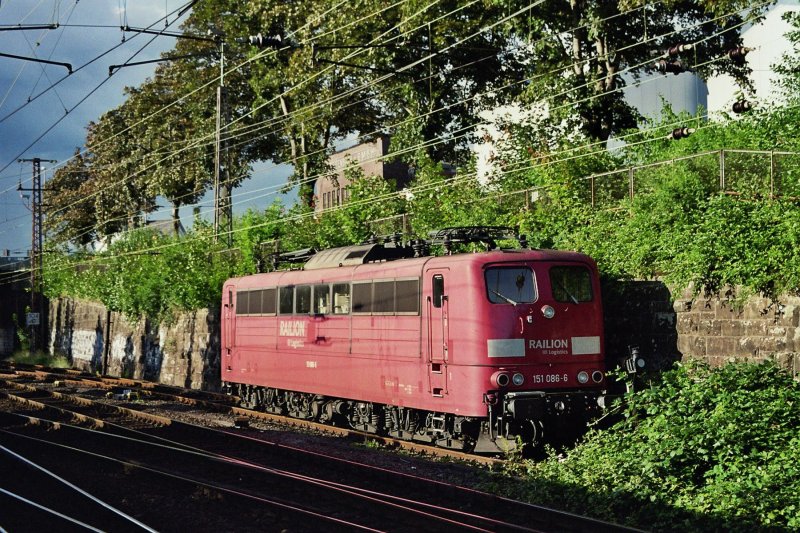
{"x":184,"y":353}
{"x":665,"y":327}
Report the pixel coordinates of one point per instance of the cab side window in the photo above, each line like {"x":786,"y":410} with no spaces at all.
{"x":322,"y":299}
{"x":341,"y":298}
{"x":438,"y":290}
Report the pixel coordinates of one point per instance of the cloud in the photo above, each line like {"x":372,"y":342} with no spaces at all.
{"x":89,"y":28}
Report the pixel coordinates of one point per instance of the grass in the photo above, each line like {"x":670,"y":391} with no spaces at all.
{"x":40,"y":358}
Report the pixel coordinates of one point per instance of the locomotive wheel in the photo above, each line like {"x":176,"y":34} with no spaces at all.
{"x":532,"y":432}
{"x":299,"y":405}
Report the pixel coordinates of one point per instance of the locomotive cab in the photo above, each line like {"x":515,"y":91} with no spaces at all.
{"x":544,"y":347}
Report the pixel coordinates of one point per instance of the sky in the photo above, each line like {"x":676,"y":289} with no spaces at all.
{"x":44,"y":110}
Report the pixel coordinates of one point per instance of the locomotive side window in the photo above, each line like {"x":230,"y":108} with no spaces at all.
{"x":386,"y":297}
{"x":438,"y":290}
{"x":268,"y":301}
{"x":510,"y":285}
{"x":254,"y":303}
{"x":322,"y":299}
{"x":571,"y":284}
{"x":341,"y":298}
{"x":383,"y":297}
{"x":362,"y":297}
{"x":407,"y":296}
{"x":242,"y":299}
{"x":287,"y":300}
{"x":302,"y":299}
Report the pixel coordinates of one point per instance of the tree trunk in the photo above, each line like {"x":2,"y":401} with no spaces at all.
{"x":176,"y":219}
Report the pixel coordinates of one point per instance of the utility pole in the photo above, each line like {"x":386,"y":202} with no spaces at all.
{"x":34,"y":318}
{"x":223,"y":217}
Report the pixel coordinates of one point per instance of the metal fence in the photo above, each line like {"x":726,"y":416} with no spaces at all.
{"x":757,"y":174}
{"x":750,"y":173}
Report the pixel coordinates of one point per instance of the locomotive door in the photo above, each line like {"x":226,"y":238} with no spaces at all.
{"x":437,"y":307}
{"x":227,"y":320}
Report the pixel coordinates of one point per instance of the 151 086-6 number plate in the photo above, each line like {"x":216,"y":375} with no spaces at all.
{"x":550,"y":378}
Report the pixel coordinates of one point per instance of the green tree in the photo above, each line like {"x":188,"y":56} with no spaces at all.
{"x":68,"y":206}
{"x":176,"y":164}
{"x":789,"y":65}
{"x":119,"y":191}
{"x":583,"y":51}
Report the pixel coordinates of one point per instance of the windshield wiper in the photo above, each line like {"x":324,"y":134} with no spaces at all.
{"x":506,"y":298}
{"x":563,"y":288}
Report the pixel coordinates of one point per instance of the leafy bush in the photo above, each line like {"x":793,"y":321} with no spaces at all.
{"x":699,"y":448}
{"x":144,"y":274}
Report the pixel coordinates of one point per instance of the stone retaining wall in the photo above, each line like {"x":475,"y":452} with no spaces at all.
{"x":184,"y":353}
{"x":669,"y":327}
{"x":646,"y":314}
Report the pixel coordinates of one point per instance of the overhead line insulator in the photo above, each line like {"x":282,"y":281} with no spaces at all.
{"x":665,"y":67}
{"x":679,"y":48}
{"x":262,"y":41}
{"x":737,"y":55}
{"x":680,"y":133}
{"x":742,"y":106}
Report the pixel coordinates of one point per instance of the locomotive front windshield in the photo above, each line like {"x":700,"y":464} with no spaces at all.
{"x":510,"y":285}
{"x":571,"y":284}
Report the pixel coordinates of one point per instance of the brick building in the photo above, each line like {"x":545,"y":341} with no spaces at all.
{"x":333,"y":190}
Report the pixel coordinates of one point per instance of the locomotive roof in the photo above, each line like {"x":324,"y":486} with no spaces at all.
{"x":369,"y":261}
{"x":353,"y":255}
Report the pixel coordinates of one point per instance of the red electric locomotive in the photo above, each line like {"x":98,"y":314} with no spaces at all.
{"x":471,"y":351}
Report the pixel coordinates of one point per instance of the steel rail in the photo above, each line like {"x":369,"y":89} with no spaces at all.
{"x":422,"y":509}
{"x":419,"y":508}
{"x":325,"y":428}
{"x":77,"y":489}
{"x":53,"y":512}
{"x":352,"y":490}
{"x":139,"y":466}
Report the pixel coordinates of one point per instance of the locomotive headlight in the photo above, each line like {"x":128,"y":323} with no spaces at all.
{"x":583,"y":377}
{"x":517,"y":379}
{"x":548,"y":311}
{"x":597,"y":376}
{"x":500,"y":379}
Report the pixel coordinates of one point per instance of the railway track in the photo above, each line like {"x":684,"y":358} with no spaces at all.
{"x":236,"y":476}
{"x":138,"y":389}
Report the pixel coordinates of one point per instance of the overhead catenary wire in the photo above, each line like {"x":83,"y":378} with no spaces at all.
{"x":75,"y":71}
{"x":50,"y":56}
{"x":595,"y":148}
{"x":705,"y":22}
{"x":554,"y":97}
{"x":210,"y":83}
